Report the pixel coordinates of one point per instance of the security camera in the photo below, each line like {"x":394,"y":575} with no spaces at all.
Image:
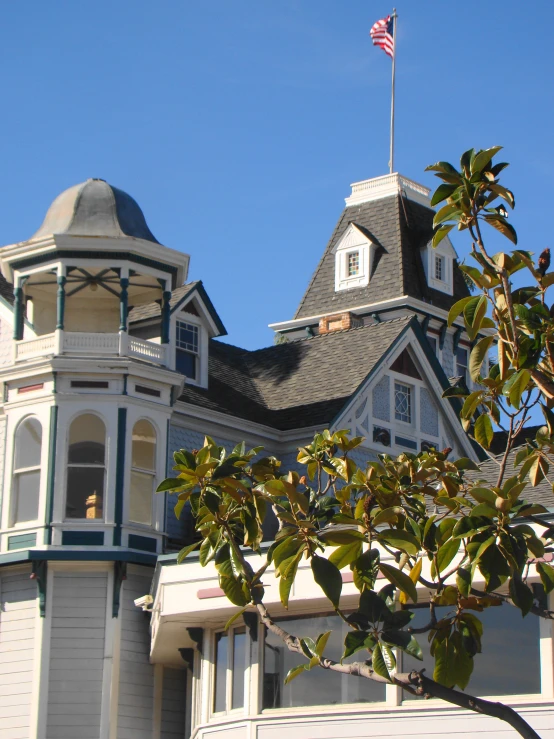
{"x":145,"y":602}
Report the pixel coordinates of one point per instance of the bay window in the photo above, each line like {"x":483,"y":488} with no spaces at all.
{"x":230,"y":662}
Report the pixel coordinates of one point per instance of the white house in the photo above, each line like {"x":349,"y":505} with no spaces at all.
{"x":109,"y":361}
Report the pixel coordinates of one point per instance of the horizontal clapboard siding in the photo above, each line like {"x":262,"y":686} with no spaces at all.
{"x":76,"y":655}
{"x":17,"y":638}
{"x":136,"y":674}
{"x":173,"y":704}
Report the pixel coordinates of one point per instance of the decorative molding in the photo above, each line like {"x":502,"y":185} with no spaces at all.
{"x":187,"y":654}
{"x":52,"y":437}
{"x":251,"y":621}
{"x":386,"y":186}
{"x":120,"y":473}
{"x":197,"y":635}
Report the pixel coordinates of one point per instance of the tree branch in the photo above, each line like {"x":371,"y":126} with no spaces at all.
{"x":412,"y":681}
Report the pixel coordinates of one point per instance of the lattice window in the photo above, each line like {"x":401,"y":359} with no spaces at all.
{"x":353,"y":263}
{"x":187,"y":349}
{"x":402,"y":402}
{"x":439,"y":268}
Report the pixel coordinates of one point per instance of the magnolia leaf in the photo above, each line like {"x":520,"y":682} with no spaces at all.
{"x":484,"y":433}
{"x":478,"y":355}
{"x":379,"y":664}
{"x":546,"y":574}
{"x":328,"y":577}
{"x":346,"y":554}
{"x":399,"y":539}
{"x":442,"y":192}
{"x":446,"y":553}
{"x":294,"y":672}
{"x":400,"y":579}
{"x":457,"y":308}
{"x":186,"y":551}
{"x":440,"y":233}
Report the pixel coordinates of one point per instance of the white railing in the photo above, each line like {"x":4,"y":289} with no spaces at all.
{"x":38,"y":347}
{"x":91,"y":344}
{"x":85,"y":343}
{"x":147,"y":350}
{"x":389,"y":184}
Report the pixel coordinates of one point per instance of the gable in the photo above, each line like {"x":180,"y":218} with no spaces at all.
{"x":400,"y":409}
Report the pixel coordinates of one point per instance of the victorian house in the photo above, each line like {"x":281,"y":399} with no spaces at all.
{"x":109,"y":361}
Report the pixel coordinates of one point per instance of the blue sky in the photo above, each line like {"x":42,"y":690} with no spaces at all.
{"x":239,"y":127}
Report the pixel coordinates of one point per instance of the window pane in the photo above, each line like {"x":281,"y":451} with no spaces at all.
{"x":185,"y":363}
{"x":239,"y":663}
{"x":83,"y":483}
{"x":461,"y":362}
{"x":319,"y":687}
{"x":220,"y":681}
{"x":144,"y":446}
{"x":353,"y":263}
{"x":499,"y":669}
{"x":87,"y":438}
{"x":26,"y":490}
{"x":402,"y":402}
{"x":187,"y":336}
{"x":28,"y":442}
{"x":140,"y":503}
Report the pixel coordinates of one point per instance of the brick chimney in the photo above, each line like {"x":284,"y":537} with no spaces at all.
{"x":339,"y":322}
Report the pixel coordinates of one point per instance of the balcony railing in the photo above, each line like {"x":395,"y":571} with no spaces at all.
{"x":93,"y":345}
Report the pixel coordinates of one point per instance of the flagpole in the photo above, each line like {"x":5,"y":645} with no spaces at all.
{"x":391,"y":159}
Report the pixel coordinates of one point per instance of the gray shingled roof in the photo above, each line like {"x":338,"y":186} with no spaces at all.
{"x":95,"y":208}
{"x":6,"y":289}
{"x":302,"y":383}
{"x":400,"y":228}
{"x":152,"y":310}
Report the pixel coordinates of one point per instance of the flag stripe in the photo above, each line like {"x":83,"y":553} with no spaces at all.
{"x":382,"y":34}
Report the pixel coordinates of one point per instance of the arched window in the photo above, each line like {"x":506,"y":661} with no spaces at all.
{"x":143,"y":472}
{"x":26,"y":471}
{"x":86,"y":468}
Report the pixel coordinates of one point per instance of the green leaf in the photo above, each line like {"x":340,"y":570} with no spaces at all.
{"x":444,"y":663}
{"x":483,"y":157}
{"x":346,"y":554}
{"x":471,"y":403}
{"x":294,"y":672}
{"x":440,"y":233}
{"x":463,"y":581}
{"x":400,"y":579}
{"x":171,"y":483}
{"x":328,"y":577}
{"x":399,"y":539}
{"x":474,"y":312}
{"x":464,"y":463}
{"x":546,"y":574}
{"x":341,"y":536}
{"x":483,"y":431}
{"x":515,"y":386}
{"x":521,"y":594}
{"x":446,"y":213}
{"x":483,"y":495}
{"x":478,"y":355}
{"x":446,"y":553}
{"x":379,"y":664}
{"x":234,"y":617}
{"x":457,"y":308}
{"x":502,"y":225}
{"x":442,"y":192}
{"x":286,"y":548}
{"x":321,"y":643}
{"x":356,"y":640}
{"x":186,"y":551}
{"x":233,"y":590}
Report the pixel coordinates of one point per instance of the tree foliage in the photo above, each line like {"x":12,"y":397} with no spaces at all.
{"x":422,"y":523}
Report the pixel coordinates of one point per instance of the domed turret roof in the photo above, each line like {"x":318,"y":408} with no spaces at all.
{"x":95,"y":208}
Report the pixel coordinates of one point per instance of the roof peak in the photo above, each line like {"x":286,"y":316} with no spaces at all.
{"x":386,"y":186}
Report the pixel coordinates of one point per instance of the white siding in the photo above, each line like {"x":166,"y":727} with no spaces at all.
{"x":17,"y":636}
{"x":136,"y":674}
{"x":6,"y":341}
{"x":173,"y":704}
{"x":76,"y":655}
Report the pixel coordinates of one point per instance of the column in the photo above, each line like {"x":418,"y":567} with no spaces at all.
{"x":60,"y":303}
{"x":18,"y":313}
{"x":123,"y":303}
{"x":166,"y":314}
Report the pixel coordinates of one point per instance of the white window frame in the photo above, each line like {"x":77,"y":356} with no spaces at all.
{"x":68,"y":519}
{"x":152,"y":473}
{"x":446,"y":252}
{"x":203,"y":346}
{"x":229,"y":677}
{"x":353,"y":241}
{"x":16,"y":472}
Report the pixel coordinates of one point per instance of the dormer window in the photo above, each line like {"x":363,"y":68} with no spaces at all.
{"x":353,"y":255}
{"x":186,"y":360}
{"x":439,"y":266}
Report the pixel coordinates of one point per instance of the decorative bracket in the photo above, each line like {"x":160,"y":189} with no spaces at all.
{"x":197,"y":635}
{"x":39,"y":574}
{"x":425,"y":323}
{"x":119,"y":575}
{"x":251,"y":621}
{"x":187,"y":653}
{"x":442,"y":335}
{"x":457,"y":336}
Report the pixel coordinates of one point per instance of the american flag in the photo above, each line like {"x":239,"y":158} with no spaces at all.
{"x":382,"y":34}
